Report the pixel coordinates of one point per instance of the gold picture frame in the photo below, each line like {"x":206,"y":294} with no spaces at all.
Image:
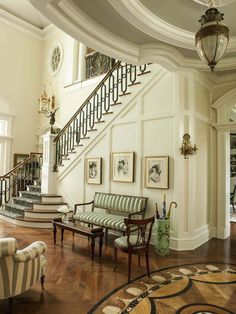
{"x":156,"y":172}
{"x":93,"y":168}
{"x":122,"y":167}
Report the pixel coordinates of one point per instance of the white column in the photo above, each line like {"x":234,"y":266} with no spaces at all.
{"x":82,"y":63}
{"x":223,"y":181}
{"x":48,"y":185}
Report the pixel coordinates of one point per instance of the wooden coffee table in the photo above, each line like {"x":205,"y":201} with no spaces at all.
{"x":91,"y":233}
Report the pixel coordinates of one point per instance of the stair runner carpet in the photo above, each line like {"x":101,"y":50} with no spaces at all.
{"x":16,"y":208}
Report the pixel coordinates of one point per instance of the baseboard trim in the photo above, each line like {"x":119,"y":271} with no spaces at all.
{"x":184,"y":244}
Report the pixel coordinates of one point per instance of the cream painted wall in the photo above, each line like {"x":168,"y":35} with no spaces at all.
{"x":150,"y":124}
{"x":20,"y":64}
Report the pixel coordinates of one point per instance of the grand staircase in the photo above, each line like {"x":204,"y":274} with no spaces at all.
{"x":21,"y":200}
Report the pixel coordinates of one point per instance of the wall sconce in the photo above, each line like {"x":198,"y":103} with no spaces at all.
{"x":186,"y":148}
{"x":47,"y":106}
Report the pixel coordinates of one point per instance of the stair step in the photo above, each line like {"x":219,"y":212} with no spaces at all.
{"x":20,"y":200}
{"x":9,"y":214}
{"x":101,"y":121}
{"x":30,"y":194}
{"x":143,"y":73}
{"x":36,"y":188}
{"x":92,"y":130}
{"x":137,"y":83}
{"x":116,"y":103}
{"x":125,"y":94}
{"x":47,"y":205}
{"x":17,"y":206}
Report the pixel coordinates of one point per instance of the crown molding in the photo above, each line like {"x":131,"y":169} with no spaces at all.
{"x":143,"y":19}
{"x":226,"y":99}
{"x":25,"y":27}
{"x":66,"y":15}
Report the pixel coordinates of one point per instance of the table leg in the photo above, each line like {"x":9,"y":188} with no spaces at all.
{"x":62,"y":234}
{"x":100,"y":245}
{"x":55,"y":233}
{"x":92,"y":247}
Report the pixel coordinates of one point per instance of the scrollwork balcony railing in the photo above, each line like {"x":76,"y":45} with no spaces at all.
{"x":17,"y":179}
{"x":99,"y":103}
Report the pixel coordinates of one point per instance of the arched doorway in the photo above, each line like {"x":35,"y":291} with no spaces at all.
{"x":226,"y":123}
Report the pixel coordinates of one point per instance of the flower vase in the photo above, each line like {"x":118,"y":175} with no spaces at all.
{"x":65,"y":218}
{"x":162,"y":236}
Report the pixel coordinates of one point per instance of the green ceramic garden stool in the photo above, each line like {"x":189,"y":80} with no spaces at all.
{"x":162,"y":236}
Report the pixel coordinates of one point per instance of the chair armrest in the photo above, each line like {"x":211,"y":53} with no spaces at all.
{"x":32,"y":251}
{"x":8,"y":247}
{"x":81,"y":204}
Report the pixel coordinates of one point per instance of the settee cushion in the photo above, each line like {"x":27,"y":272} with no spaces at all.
{"x":105,"y":220}
{"x":123,"y":203}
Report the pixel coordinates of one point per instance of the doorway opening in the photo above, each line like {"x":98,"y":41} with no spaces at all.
{"x":233,"y":177}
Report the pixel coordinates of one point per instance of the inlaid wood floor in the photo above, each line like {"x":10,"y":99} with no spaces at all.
{"x":74,"y":283}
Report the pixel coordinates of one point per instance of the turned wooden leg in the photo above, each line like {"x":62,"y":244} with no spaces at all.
{"x":147,"y":263}
{"x":139,"y":259}
{"x":100,"y":245}
{"x":106,"y":235}
{"x":55,"y":233}
{"x":10,"y":302}
{"x":129,"y":265}
{"x":92,"y":247}
{"x":115,"y":258}
{"x":62,"y":234}
{"x":42,"y":281}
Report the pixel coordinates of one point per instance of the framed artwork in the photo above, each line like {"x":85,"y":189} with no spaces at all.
{"x":157,"y":172}
{"x":18,"y":158}
{"x":94,"y":170}
{"x":122,"y":167}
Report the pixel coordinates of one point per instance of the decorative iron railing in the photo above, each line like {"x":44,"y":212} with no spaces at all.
{"x":17,"y":179}
{"x":99,"y":103}
{"x":98,"y":64}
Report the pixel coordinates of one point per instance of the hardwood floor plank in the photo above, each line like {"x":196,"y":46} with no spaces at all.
{"x":74,"y":283}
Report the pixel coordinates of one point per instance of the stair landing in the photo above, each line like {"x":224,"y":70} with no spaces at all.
{"x":32,"y":209}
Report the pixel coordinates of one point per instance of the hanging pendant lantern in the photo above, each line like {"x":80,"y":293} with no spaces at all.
{"x":212,"y":38}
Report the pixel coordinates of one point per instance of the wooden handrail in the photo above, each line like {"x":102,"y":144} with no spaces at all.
{"x":20,"y":165}
{"x":116,"y":65}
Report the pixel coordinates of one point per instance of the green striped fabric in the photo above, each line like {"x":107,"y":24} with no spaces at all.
{"x":124,"y":203}
{"x":8,"y":246}
{"x":122,"y":241}
{"x":19,"y":270}
{"x":33,"y":250}
{"x":105,"y":220}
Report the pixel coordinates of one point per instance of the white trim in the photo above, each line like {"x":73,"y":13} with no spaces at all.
{"x":138,"y":15}
{"x":191,"y":243}
{"x":226,"y":99}
{"x":25,"y":27}
{"x":69,"y":17}
{"x":230,"y":126}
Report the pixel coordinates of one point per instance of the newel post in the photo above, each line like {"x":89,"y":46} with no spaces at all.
{"x":48,"y":185}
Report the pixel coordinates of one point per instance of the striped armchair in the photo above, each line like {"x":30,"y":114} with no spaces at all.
{"x":20,"y":269}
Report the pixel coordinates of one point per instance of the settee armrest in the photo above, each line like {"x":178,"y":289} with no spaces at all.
{"x":141,"y":212}
{"x":8,"y":247}
{"x":82,"y":204}
{"x":32,"y":251}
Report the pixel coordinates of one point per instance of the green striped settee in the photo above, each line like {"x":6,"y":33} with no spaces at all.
{"x":113,"y":208}
{"x":20,"y":269}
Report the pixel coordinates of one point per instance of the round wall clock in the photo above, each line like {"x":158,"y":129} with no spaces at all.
{"x":55,"y":58}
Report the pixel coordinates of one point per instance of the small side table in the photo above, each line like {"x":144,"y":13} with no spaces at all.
{"x":91,"y":233}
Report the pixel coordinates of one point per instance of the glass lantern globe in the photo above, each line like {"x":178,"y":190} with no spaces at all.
{"x":212,"y":38}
